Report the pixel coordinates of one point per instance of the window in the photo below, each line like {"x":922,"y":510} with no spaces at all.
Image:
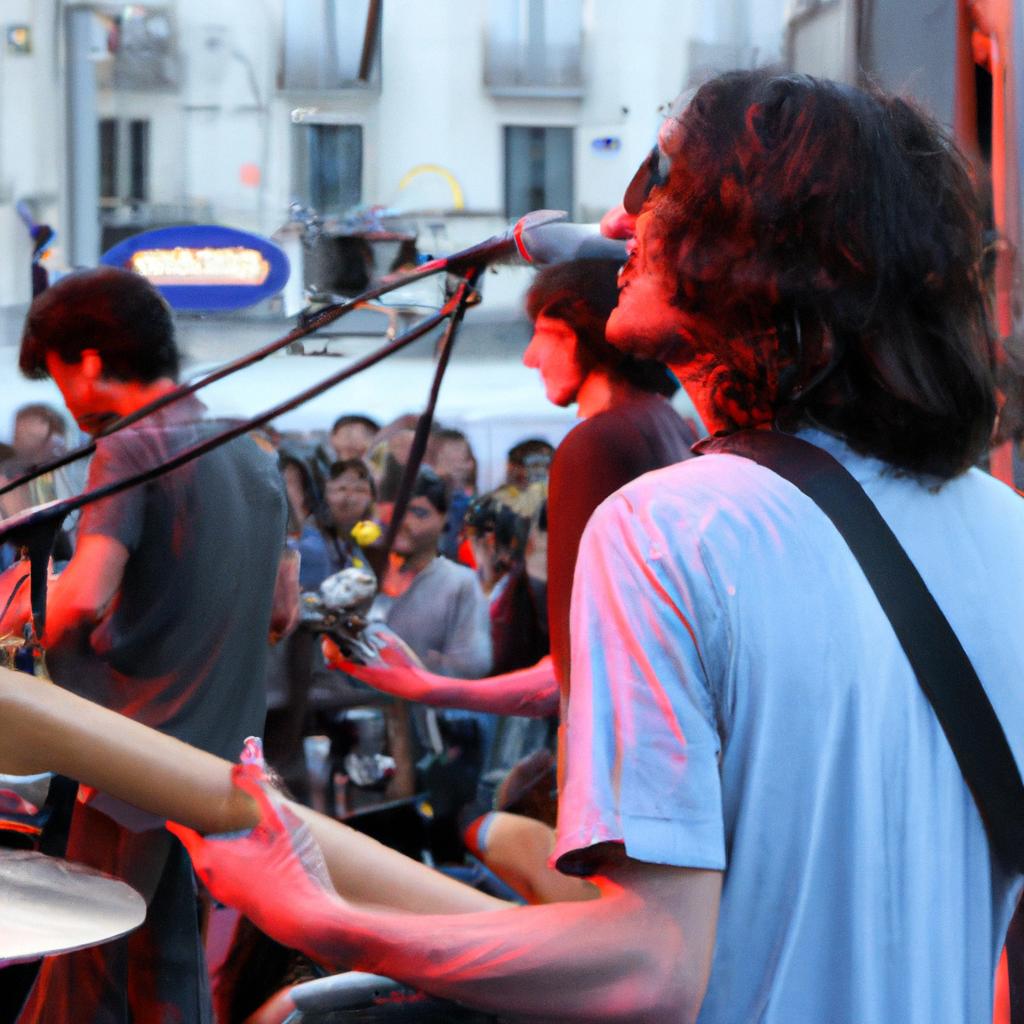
{"x":538,"y":170}
{"x":534,"y":48}
{"x":138,"y":159}
{"x":327,"y":166}
{"x":124,"y":161}
{"x":108,"y":158}
{"x":330,"y":45}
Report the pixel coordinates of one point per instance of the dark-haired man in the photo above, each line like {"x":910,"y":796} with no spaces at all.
{"x":435,"y":605}
{"x":161,"y":614}
{"x":629,"y":427}
{"x":755,"y":780}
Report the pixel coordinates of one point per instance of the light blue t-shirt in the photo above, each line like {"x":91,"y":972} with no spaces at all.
{"x":740,"y":702}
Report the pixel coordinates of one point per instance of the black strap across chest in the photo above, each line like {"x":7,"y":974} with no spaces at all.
{"x":940,"y":663}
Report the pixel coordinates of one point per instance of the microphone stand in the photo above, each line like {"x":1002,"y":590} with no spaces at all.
{"x":326,"y":316}
{"x":463,"y":295}
{"x":37,"y":528}
{"x":466,"y":261}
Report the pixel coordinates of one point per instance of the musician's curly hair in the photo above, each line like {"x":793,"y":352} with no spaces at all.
{"x":827,"y":250}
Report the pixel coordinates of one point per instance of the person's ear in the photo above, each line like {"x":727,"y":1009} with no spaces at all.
{"x":92,"y":364}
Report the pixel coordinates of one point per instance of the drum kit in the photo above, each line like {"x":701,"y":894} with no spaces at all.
{"x":49,"y":905}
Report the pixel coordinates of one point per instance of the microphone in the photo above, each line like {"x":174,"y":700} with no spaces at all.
{"x":540,"y":238}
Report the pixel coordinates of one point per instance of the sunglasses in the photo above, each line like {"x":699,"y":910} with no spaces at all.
{"x":651,"y":173}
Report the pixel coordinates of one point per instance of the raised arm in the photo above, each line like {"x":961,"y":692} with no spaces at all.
{"x":530,"y":692}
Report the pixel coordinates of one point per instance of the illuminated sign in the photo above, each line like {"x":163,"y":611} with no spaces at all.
{"x":204,"y":266}
{"x":233,"y":265}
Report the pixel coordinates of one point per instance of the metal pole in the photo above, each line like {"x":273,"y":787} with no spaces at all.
{"x":83,"y":156}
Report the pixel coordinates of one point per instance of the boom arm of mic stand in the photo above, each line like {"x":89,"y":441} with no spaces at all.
{"x":37,"y":527}
{"x":322,"y":319}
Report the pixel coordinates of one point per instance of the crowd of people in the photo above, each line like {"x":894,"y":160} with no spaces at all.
{"x":752,"y":811}
{"x":470,"y":589}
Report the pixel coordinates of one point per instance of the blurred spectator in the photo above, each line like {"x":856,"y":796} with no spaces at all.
{"x":304,"y":507}
{"x":387,"y":457}
{"x":527,"y":462}
{"x":436,"y":606}
{"x":452,"y":458}
{"x":351,"y":437}
{"x":518,"y":602}
{"x":349,"y":496}
{"x":39,"y":435}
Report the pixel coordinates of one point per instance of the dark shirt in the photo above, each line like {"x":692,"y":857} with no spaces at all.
{"x":596,"y":458}
{"x":184,"y":647}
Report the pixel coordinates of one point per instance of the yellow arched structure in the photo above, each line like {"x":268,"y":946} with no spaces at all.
{"x":458,"y":201}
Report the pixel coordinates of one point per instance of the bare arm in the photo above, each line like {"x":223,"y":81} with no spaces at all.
{"x":45,"y":728}
{"x":517,"y":851}
{"x":640,"y":952}
{"x":530,"y":692}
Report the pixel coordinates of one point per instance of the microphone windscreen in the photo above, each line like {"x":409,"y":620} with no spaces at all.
{"x":560,"y":242}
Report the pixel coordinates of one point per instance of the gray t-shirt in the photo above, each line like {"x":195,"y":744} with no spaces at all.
{"x":443,"y":617}
{"x":184,"y":646}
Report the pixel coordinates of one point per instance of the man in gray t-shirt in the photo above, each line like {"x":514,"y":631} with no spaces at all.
{"x":436,"y":606}
{"x":161,"y":614}
{"x":182,"y":648}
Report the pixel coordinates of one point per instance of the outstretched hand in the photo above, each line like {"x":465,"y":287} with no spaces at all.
{"x":274,"y":874}
{"x":396,"y":673}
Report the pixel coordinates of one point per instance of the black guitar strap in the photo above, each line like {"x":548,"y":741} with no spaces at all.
{"x":940,"y":663}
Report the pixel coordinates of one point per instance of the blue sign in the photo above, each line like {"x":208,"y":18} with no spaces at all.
{"x":204,"y":266}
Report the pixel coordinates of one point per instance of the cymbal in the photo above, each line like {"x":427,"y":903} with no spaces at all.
{"x":48,"y":905}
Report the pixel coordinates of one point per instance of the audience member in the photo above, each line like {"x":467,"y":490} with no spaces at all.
{"x":498,"y":537}
{"x":527,"y":462}
{"x":387,"y":457}
{"x":435,"y":605}
{"x":305,"y":510}
{"x":351,"y":437}
{"x":39,"y":434}
{"x":451,"y":456}
{"x":349,"y":496}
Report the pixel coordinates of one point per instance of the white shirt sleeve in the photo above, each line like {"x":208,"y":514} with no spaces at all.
{"x":641,"y":745}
